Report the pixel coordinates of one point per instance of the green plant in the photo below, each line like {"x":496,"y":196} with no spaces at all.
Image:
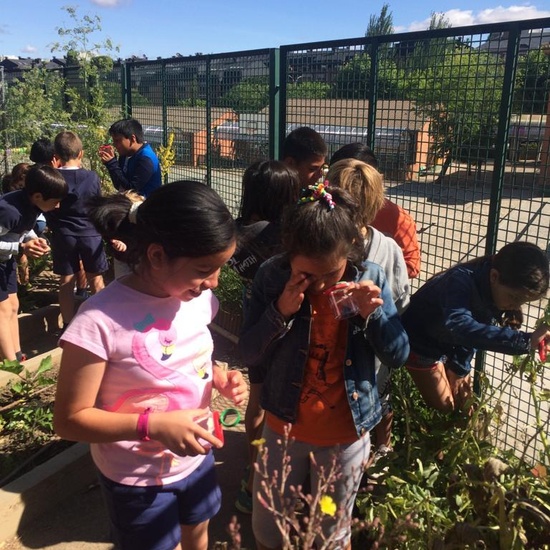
{"x":24,"y":415}
{"x":449,"y":485}
{"x":229,"y":291}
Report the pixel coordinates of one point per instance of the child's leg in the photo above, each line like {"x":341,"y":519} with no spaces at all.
{"x":350,"y":460}
{"x":66,"y":297}
{"x":195,"y":537}
{"x":266,"y":532}
{"x":8,"y":346}
{"x":382,"y":431}
{"x":95,"y":280}
{"x":461,"y":386}
{"x":433,"y":385}
{"x":81,"y":279}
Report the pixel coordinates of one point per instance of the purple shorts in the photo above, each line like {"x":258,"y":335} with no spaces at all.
{"x":8,"y":278}
{"x":68,"y":251}
{"x":150,"y":517}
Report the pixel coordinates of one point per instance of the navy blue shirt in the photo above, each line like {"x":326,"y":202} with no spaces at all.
{"x":453,"y":315}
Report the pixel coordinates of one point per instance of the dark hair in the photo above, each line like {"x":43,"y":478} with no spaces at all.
{"x":42,"y":151}
{"x":67,"y":146}
{"x":186,"y":217}
{"x":523,"y":265}
{"x":128,"y":127}
{"x":313,"y":229}
{"x":302,"y":144}
{"x":356,"y":151}
{"x":15,"y":180}
{"x":268,"y":187}
{"x":46,"y":180}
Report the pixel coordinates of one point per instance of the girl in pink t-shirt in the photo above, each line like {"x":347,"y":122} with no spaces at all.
{"x":136,"y":372}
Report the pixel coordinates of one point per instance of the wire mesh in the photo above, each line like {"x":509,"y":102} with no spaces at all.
{"x":458,"y":118}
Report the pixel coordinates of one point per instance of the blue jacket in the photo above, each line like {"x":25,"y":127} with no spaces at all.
{"x":453,"y":314}
{"x":280,"y":349}
{"x":140,"y":172}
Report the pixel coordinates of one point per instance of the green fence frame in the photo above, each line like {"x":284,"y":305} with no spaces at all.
{"x":474,"y":172}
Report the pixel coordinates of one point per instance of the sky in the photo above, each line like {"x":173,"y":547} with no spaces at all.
{"x":163,"y":28}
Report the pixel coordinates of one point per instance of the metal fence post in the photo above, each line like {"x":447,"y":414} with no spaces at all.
{"x":274,"y":129}
{"x":208,"y":122}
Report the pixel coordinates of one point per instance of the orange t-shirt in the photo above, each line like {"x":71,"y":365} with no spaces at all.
{"x":396,"y":222}
{"x":324,"y":416}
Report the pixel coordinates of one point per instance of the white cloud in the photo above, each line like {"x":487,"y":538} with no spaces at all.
{"x":461,"y":18}
{"x":29,"y":49}
{"x":109,"y":3}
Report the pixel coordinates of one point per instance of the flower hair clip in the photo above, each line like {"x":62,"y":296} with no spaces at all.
{"x":319,"y":193}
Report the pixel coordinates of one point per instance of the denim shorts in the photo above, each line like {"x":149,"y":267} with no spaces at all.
{"x":147,"y":518}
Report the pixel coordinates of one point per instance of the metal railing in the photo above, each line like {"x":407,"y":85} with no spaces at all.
{"x":459,"y":119}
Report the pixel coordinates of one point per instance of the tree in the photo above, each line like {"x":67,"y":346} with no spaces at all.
{"x":532,"y":86}
{"x":250,"y":95}
{"x":461,"y":98}
{"x":89,"y":60}
{"x":438,"y":20}
{"x":34,"y":107}
{"x":382,"y":24}
{"x":353,"y":79}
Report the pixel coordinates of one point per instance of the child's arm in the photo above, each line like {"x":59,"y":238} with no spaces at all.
{"x":270,"y":311}
{"x":464,"y":329}
{"x":77,"y":418}
{"x":383,"y":329}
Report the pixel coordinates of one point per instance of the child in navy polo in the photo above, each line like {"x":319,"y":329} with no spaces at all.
{"x":74,"y":238}
{"x":44,"y":189}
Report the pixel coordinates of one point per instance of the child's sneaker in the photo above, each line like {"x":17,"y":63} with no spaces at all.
{"x":244,"y":501}
{"x":82,"y":292}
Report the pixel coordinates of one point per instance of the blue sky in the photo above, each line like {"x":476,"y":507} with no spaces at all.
{"x":162,"y":28}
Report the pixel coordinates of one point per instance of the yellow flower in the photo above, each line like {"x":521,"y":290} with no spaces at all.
{"x":327,"y":505}
{"x":258,"y":442}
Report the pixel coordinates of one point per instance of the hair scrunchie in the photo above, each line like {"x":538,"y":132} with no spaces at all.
{"x":132,"y":214}
{"x":319,"y":193}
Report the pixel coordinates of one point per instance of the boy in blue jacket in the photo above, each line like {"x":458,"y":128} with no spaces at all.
{"x":137,"y":167}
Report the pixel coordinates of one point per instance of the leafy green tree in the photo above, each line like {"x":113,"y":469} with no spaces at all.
{"x":353,"y":79}
{"x":308,"y":90}
{"x":461,"y":98}
{"x":250,"y":95}
{"x":87,"y":97}
{"x":33,"y":107}
{"x":381,"y":24}
{"x":532,"y":87}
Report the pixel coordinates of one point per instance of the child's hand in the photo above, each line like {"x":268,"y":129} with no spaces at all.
{"x":230,"y":384}
{"x":119,"y":246}
{"x":106,"y":153}
{"x":178,"y":432}
{"x":291,"y":299}
{"x":35,"y":247}
{"x":367,"y":297}
{"x":540,"y":339}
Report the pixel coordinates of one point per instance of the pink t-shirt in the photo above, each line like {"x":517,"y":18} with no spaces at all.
{"x":159,"y":355}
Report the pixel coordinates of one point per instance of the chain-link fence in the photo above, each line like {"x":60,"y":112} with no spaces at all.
{"x":459,"y":120}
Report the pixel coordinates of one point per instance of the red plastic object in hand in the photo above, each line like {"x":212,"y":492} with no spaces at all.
{"x":542,"y":351}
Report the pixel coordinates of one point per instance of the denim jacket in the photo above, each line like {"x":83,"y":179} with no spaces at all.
{"x":268,"y":342}
{"x":453,"y":313}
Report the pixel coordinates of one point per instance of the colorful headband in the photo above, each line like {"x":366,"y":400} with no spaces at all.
{"x":132,"y":214}
{"x":319,"y":193}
